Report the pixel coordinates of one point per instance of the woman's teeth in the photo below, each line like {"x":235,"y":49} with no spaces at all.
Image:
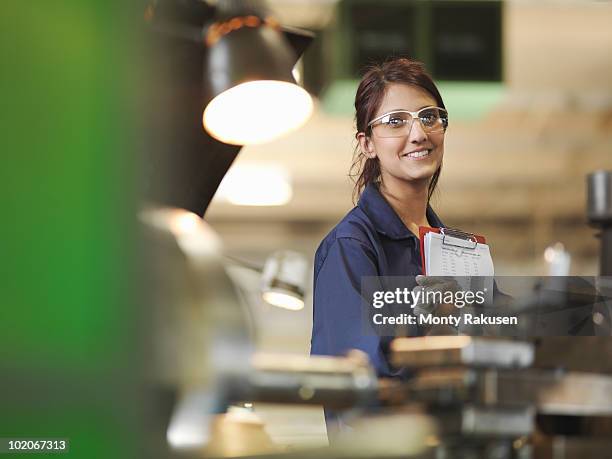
{"x":418,"y":154}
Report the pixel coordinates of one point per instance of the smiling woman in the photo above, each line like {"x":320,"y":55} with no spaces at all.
{"x":386,"y":89}
{"x":401,"y":123}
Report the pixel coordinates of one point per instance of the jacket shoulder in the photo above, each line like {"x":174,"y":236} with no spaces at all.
{"x":354,"y":226}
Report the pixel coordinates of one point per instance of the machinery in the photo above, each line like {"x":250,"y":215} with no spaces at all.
{"x":467,"y":397}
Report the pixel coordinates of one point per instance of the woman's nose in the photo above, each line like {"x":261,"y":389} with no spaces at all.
{"x":417,"y":133}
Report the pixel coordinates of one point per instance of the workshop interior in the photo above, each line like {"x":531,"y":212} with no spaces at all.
{"x":173,"y":166}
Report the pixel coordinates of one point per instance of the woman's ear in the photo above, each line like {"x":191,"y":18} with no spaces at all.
{"x":366,"y":145}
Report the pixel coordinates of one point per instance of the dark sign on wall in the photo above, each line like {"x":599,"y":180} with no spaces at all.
{"x":457,"y":40}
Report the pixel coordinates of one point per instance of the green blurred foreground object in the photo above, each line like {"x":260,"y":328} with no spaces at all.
{"x":67,"y":187}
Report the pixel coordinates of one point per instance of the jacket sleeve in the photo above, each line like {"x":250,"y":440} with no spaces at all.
{"x":338,"y":308}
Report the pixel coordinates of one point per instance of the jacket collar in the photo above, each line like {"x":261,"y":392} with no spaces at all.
{"x":384,"y":218}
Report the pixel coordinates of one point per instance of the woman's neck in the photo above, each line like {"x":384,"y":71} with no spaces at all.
{"x":408,"y":200}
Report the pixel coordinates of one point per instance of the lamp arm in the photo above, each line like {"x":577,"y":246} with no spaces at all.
{"x":245,"y":264}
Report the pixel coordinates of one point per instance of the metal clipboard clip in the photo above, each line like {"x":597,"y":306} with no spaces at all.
{"x":458,"y":234}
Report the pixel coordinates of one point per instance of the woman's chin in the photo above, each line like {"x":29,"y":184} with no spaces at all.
{"x":421,"y":172}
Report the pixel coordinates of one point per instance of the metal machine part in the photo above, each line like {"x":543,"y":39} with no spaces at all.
{"x":599,"y":212}
{"x":200,"y":346}
{"x":479,"y":421}
{"x":336,"y":382}
{"x":460,"y":350}
{"x":485,"y":409}
{"x":550,"y":392}
{"x":552,"y":306}
{"x":476,"y":391}
{"x":591,"y":354}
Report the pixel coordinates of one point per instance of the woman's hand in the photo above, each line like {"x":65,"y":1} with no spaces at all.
{"x":428,"y":285}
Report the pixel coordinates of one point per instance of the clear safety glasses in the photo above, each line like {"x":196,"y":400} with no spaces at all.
{"x":399,"y":123}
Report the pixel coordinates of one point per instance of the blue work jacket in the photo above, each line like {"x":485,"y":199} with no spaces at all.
{"x":371,"y":240}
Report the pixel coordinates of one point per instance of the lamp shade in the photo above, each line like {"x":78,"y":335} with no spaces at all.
{"x":252,"y":96}
{"x":283,"y":281}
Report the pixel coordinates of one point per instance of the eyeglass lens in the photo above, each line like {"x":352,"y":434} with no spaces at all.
{"x":398,"y":124}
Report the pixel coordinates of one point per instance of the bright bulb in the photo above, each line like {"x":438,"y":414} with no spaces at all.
{"x":283,"y":300}
{"x":255,"y":185}
{"x":257,"y":112}
{"x":185,"y":223}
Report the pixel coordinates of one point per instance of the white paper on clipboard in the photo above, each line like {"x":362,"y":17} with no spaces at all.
{"x":452,"y":256}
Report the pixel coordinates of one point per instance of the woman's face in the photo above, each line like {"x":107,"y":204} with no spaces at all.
{"x":398,"y":155}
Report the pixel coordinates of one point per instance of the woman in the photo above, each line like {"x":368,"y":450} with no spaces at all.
{"x":401,"y":123}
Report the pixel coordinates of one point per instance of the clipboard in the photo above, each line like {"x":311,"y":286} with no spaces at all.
{"x":451,"y":232}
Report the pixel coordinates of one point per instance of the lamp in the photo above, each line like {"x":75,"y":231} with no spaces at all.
{"x":177,"y":90}
{"x":248,"y":80}
{"x":283,"y":280}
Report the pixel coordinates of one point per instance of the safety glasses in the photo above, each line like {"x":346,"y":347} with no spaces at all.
{"x":399,"y":123}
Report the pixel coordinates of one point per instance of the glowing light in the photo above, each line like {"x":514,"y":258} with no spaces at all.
{"x":283,"y":280}
{"x":185,"y":222}
{"x":283,"y":300}
{"x":558,"y":260}
{"x":192,"y":233}
{"x":255,"y":185}
{"x":257,"y":112}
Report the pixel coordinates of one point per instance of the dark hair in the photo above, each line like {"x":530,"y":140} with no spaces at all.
{"x":370,"y":94}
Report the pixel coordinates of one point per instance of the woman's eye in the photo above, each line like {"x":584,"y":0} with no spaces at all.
{"x":396,"y":122}
{"x":429,"y":119}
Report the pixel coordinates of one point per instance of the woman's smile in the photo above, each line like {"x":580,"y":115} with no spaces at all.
{"x":417,"y":155}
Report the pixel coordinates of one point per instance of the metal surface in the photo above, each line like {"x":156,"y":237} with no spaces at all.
{"x":479,"y":421}
{"x":599,"y":197}
{"x":460,"y":350}
{"x":336,"y":382}
{"x":577,"y":394}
